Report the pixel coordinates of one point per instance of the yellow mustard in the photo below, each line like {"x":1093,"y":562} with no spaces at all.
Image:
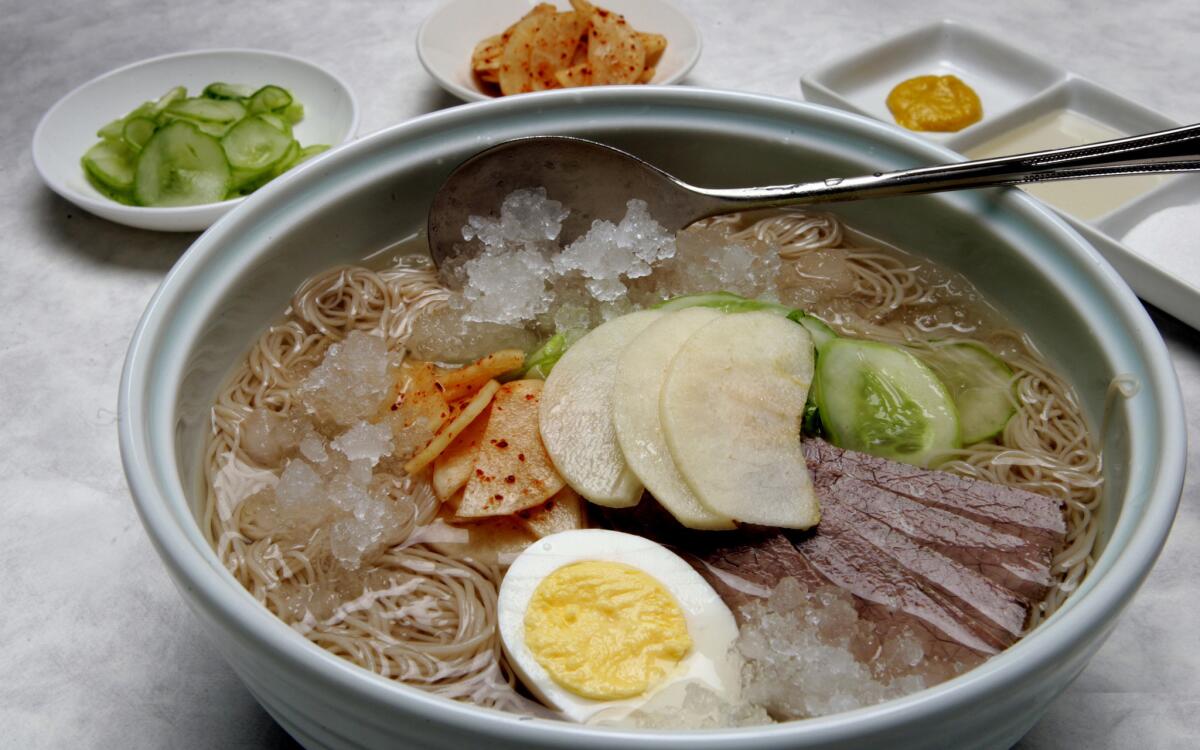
{"x":935,"y":103}
{"x":605,"y":630}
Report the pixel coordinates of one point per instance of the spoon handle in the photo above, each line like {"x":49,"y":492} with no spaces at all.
{"x":1176,"y":150}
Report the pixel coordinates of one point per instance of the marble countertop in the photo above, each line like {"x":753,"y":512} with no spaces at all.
{"x":97,"y":648}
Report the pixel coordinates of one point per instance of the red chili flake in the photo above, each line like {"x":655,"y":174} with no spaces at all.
{"x":439,"y":386}
{"x":520,"y":456}
{"x":510,"y":479}
{"x":479,"y":472}
{"x":499,"y":496}
{"x":529,"y":397}
{"x":395,"y":407}
{"x":501,"y":443}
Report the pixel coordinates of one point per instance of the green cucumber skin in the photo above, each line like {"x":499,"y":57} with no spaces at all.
{"x":728,"y":302}
{"x":542,"y":361}
{"x":851,"y":373}
{"x":820,"y":331}
{"x":220,"y":90}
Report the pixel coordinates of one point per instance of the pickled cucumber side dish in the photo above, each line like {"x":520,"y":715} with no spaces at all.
{"x":184,"y":151}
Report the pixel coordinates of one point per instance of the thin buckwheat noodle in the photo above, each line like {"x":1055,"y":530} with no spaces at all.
{"x":427,"y":619}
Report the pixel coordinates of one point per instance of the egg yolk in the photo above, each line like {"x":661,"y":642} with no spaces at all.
{"x":605,"y":630}
{"x":934,"y":103}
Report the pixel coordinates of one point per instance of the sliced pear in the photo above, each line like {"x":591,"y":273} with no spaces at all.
{"x":576,"y":414}
{"x":641,"y":371}
{"x":731,"y":407}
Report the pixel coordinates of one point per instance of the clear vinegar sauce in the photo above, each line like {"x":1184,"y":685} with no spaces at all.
{"x":1085,"y":199}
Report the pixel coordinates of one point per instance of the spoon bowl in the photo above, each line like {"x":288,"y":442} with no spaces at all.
{"x":595,"y":180}
{"x":598,"y":180}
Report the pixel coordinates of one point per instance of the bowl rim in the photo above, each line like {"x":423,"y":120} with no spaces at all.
{"x":162,"y":505}
{"x":468,"y":94}
{"x":197,"y":211}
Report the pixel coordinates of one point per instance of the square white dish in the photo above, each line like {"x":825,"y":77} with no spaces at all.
{"x":1018,"y":91}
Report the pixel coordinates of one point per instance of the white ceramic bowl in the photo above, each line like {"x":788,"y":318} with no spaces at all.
{"x":69,"y":128}
{"x":449,"y":35}
{"x":370,"y":194}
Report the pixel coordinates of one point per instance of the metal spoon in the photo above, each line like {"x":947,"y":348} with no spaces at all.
{"x":595,"y":181}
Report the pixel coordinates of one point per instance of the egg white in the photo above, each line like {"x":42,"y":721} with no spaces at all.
{"x":710,"y":624}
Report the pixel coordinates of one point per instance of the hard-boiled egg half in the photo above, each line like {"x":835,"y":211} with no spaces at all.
{"x":597,"y":623}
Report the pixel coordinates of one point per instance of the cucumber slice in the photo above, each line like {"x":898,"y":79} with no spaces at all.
{"x":112,"y":131}
{"x":881,"y":399}
{"x":208,"y":110}
{"x":821,"y":333}
{"x":309,"y":152}
{"x":181,"y":166}
{"x":290,"y":158}
{"x":215,"y":129}
{"x":220,"y":90}
{"x":111,"y":164}
{"x":261,"y":149}
{"x":269,"y":99}
{"x":246,"y":181}
{"x":277,"y":122}
{"x":255,"y":145}
{"x":980,"y":383}
{"x":137,"y":132}
{"x":294,"y":112}
{"x":172,"y":95}
{"x":541,"y":362}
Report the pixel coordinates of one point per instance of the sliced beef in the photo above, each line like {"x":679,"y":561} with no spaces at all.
{"x":1005,"y":534}
{"x":959,"y":562}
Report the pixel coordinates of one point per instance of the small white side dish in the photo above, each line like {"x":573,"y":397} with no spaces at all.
{"x":1018,"y":89}
{"x":69,"y":128}
{"x":449,"y":35}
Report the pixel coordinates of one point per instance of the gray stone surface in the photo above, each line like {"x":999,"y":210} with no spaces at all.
{"x":96,"y":648}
